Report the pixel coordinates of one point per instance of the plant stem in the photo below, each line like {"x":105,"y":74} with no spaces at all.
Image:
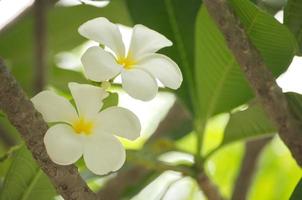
{"x":209,"y":189}
{"x":200,"y":126}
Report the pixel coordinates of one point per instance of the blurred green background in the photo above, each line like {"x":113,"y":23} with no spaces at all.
{"x":214,"y":95}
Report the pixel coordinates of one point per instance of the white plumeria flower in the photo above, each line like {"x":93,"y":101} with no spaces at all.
{"x":139,"y":67}
{"x":86,"y":131}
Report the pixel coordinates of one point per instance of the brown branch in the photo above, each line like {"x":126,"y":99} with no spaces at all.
{"x":32,"y":128}
{"x":176,"y":118}
{"x":259,"y":77}
{"x":208,"y":188}
{"x":40,"y":38}
{"x":253,"y":149}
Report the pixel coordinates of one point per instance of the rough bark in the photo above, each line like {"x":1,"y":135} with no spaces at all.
{"x":259,"y":77}
{"x":29,"y":123}
{"x":244,"y":179}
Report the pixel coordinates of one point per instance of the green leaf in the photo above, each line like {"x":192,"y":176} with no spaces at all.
{"x":297,"y":193}
{"x":275,"y":42}
{"x":293,"y":20}
{"x":2,"y":114}
{"x":25,"y":180}
{"x":17,"y":44}
{"x":295,"y":104}
{"x":221,"y":85}
{"x":248,"y":123}
{"x":174,"y":19}
{"x":112,"y":100}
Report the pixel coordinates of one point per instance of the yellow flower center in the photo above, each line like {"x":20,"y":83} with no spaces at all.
{"x":127,"y":62}
{"x":82,"y":126}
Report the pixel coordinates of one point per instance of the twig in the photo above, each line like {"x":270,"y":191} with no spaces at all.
{"x":176,"y":118}
{"x":209,"y":189}
{"x":243,"y":182}
{"x":40,"y":38}
{"x":32,"y":128}
{"x":260,"y":78}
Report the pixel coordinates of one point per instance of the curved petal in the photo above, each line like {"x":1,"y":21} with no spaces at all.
{"x":139,"y":84}
{"x":119,"y":121}
{"x":162,"y":68}
{"x":54,"y":108}
{"x":103,"y":31}
{"x":99,"y":65}
{"x":145,"y":40}
{"x":63,"y":145}
{"x":103,"y":154}
{"x":88,"y":98}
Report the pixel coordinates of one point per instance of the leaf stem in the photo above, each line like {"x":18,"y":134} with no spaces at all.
{"x":31,"y":185}
{"x":200,"y":126}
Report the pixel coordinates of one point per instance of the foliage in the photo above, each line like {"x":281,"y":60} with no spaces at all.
{"x":171,"y":19}
{"x":251,"y":122}
{"x":25,"y":180}
{"x":293,"y":20}
{"x":213,"y":84}
{"x":297,"y":194}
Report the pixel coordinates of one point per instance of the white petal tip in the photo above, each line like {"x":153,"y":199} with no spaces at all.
{"x":84,"y":28}
{"x":176,"y":85}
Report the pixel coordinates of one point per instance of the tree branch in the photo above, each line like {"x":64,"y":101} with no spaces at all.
{"x":209,"y":189}
{"x":253,"y":149}
{"x":32,"y":128}
{"x":177,"y":118}
{"x":259,"y":77}
{"x":40,"y":17}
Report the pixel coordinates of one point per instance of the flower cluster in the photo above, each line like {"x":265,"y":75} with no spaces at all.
{"x":88,"y":130}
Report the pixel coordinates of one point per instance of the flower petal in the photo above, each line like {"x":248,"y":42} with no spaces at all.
{"x":88,"y":98}
{"x":162,"y":68}
{"x":54,"y":108}
{"x":145,"y":40}
{"x":103,"y":153}
{"x":99,"y":65}
{"x":139,"y":84}
{"x":119,"y":121}
{"x":103,"y":31}
{"x":63,"y":146}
